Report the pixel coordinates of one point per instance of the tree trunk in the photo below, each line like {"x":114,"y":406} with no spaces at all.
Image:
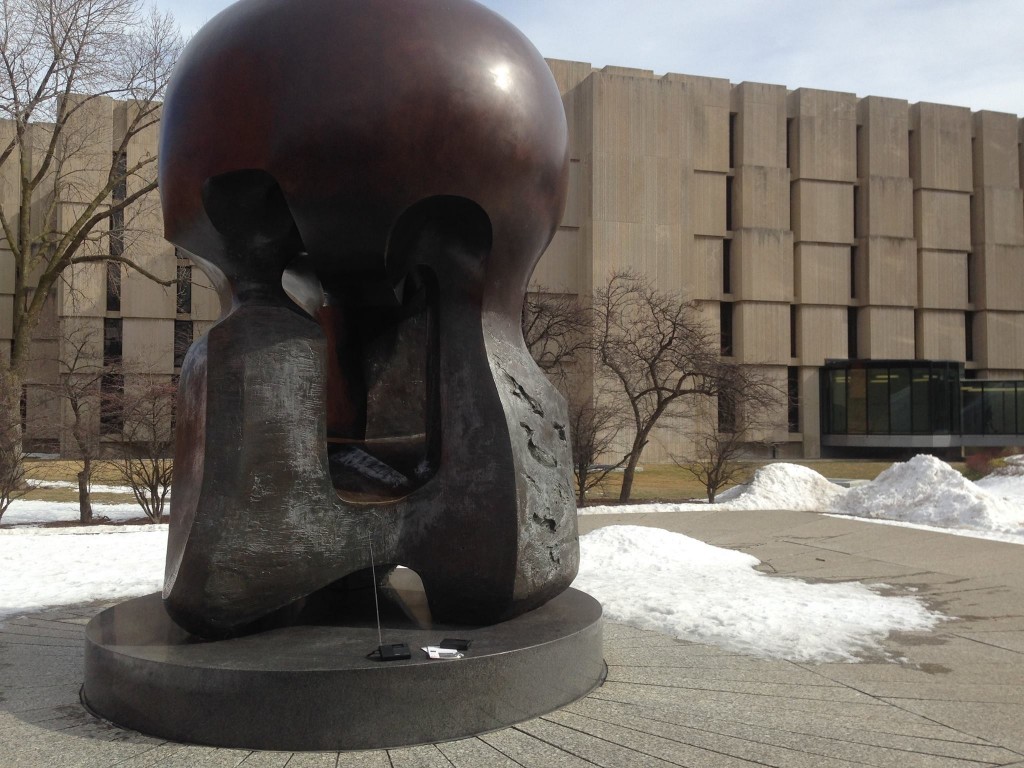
{"x":84,"y":499}
{"x":627,"y":476}
{"x":581,"y":479}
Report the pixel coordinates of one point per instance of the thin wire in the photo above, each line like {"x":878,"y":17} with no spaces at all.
{"x":376,"y":604}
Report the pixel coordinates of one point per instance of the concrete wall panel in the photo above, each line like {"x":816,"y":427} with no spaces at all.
{"x":822,"y":273}
{"x":886,"y":332}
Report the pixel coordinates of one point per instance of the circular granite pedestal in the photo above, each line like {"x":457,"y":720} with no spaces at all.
{"x":312,"y":687}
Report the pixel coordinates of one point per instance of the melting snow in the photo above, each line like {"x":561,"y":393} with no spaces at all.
{"x":670,"y":583}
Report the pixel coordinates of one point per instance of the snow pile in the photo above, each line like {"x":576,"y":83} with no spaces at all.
{"x":784,"y":486}
{"x":666,"y":582}
{"x":1008,"y":480}
{"x":31,"y":512}
{"x":61,"y":566}
{"x":928,"y":491}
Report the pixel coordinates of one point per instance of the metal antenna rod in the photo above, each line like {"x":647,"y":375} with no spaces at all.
{"x":373,"y":575}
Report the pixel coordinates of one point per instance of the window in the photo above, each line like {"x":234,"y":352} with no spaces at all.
{"x":113,"y":286}
{"x":969,"y":336}
{"x":732,"y":139}
{"x":115,"y":239}
{"x":790,"y":141}
{"x":183,"y":283}
{"x":728,"y":202}
{"x":854,"y":258}
{"x":852,"y":342}
{"x":793,"y":398}
{"x":725,"y":322}
{"x":112,"y":341}
{"x":727,"y":266}
{"x":793,"y":349}
{"x":856,"y":211}
{"x":182,"y":341}
{"x":726,"y":414}
{"x":111,"y":403}
{"x":970,"y":277}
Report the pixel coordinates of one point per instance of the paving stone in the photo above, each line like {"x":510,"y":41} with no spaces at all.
{"x":376,"y":759}
{"x":470,"y":753}
{"x":311,"y":760}
{"x":418,"y":757}
{"x":531,"y":752}
{"x":266,"y":760}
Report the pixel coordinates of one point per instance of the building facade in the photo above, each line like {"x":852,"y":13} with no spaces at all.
{"x":812,"y":226}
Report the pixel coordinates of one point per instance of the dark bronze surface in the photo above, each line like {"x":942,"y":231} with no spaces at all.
{"x":406,"y":160}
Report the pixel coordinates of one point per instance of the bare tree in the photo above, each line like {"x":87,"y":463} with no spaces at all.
{"x":724,"y":427}
{"x":658,"y":351}
{"x":594,"y":427}
{"x":81,"y":372}
{"x":143,"y":408}
{"x":556,"y":328}
{"x":12,"y":463}
{"x":59,"y":60}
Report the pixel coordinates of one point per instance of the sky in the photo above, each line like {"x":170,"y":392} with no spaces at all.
{"x":962,"y":52}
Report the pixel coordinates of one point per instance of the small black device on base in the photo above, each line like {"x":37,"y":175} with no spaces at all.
{"x":455,"y":643}
{"x":391,"y":652}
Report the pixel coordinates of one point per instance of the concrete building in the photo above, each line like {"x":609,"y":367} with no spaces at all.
{"x":105,"y":310}
{"x":813,"y":226}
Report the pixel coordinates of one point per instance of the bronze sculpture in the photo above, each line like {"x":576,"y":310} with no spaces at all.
{"x":402,"y":165}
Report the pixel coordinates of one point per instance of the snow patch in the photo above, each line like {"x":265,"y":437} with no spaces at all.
{"x":63,"y":566}
{"x":784,"y":486}
{"x":670,"y":583}
{"x":926,"y":490}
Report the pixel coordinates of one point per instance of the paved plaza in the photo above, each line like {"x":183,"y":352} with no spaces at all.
{"x":951,"y":697}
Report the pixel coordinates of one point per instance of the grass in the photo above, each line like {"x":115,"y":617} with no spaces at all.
{"x":656,"y":483}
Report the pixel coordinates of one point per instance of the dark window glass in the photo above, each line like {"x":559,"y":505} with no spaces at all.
{"x":793,"y":398}
{"x":732,"y":139}
{"x":878,"y":401}
{"x":854,"y":258}
{"x":183,"y":299}
{"x":728,"y":202}
{"x":857,"y":402}
{"x":919,"y":389}
{"x":113,"y":286}
{"x":851,"y":333}
{"x":790,"y":141}
{"x":112,"y":341}
{"x":792,"y":331}
{"x":727,"y":266}
{"x":837,"y":402}
{"x":182,"y":340}
{"x":726,"y":414}
{"x":969,"y":336}
{"x":725,"y":319}
{"x":973,"y":409}
{"x":900,"y":407}
{"x":111,"y":404}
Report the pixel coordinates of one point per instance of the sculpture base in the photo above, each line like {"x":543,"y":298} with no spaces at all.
{"x":313,"y":687}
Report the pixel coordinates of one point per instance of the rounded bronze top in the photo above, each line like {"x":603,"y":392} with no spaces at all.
{"x":359,"y":109}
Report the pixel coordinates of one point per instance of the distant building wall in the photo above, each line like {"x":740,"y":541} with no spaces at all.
{"x":825,"y":226}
